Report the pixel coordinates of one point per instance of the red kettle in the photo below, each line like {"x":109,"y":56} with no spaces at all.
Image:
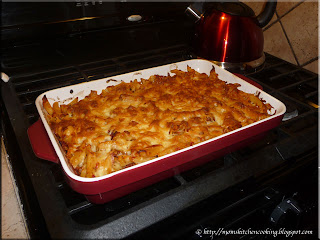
{"x":229,"y":34}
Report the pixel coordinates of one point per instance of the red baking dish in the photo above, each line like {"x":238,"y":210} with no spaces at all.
{"x":117,"y":184}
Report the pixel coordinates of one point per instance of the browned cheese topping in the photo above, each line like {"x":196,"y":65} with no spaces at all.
{"x":134,"y":122}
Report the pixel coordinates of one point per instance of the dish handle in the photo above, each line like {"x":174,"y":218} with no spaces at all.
{"x":40,"y":142}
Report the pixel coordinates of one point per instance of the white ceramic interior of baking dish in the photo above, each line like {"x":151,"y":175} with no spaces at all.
{"x":67,"y":94}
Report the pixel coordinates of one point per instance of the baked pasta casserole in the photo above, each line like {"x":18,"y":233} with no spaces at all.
{"x":131,"y":123}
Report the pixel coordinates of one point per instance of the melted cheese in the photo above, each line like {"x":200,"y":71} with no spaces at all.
{"x":134,"y":122}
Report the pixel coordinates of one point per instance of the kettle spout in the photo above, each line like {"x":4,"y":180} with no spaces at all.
{"x":195,"y":10}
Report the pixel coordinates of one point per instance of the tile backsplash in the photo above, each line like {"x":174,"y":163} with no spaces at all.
{"x":292,"y":34}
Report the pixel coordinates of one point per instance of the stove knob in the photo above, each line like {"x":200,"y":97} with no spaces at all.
{"x":286,"y":213}
{"x":134,"y":18}
{"x":4,"y":77}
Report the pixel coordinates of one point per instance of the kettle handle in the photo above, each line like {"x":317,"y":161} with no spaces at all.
{"x":266,"y":15}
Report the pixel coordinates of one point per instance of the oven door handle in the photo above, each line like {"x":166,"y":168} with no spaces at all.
{"x":40,"y":142}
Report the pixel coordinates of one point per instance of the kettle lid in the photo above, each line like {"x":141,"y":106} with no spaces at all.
{"x":234,"y":8}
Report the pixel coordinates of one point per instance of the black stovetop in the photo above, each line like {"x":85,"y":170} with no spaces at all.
{"x":239,"y":190}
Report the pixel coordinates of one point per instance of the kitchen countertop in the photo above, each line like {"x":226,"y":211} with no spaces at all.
{"x":13,"y":224}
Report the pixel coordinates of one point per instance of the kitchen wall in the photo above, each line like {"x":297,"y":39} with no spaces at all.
{"x":292,"y":34}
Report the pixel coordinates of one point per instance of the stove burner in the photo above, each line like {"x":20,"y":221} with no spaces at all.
{"x":290,"y":115}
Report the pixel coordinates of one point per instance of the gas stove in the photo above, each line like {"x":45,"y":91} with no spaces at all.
{"x":271,"y":184}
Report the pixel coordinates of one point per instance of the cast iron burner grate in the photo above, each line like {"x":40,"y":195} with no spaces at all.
{"x":68,"y":214}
